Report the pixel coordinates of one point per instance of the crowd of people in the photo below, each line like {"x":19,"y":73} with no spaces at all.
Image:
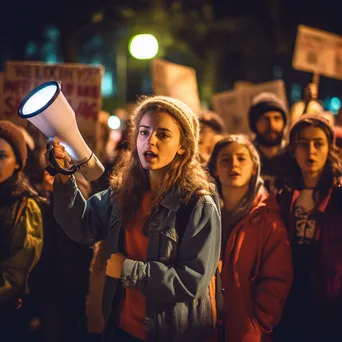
{"x":191,"y":234}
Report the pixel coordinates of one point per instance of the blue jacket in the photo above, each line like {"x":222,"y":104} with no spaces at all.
{"x":176,"y":276}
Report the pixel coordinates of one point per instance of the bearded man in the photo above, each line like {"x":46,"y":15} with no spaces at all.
{"x":267,"y":119}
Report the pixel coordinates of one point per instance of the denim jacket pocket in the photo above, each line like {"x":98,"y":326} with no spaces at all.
{"x":168,"y":245}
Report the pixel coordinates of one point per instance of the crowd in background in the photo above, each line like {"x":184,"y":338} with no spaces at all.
{"x":280,"y":263}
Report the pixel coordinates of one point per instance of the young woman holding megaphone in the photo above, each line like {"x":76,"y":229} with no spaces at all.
{"x":160,"y":222}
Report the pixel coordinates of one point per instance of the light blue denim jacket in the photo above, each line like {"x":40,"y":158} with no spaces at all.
{"x":176,"y":276}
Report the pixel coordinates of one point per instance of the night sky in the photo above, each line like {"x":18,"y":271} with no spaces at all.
{"x":22,"y":21}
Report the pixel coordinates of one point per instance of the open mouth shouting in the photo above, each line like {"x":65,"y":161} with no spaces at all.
{"x":233,"y":174}
{"x":149,"y":156}
{"x":310,"y":162}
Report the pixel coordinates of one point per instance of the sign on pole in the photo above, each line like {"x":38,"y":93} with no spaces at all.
{"x":177,"y":81}
{"x":318,"y":52}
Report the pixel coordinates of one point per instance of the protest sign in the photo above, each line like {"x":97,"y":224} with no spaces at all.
{"x":319,"y":52}
{"x":177,"y":81}
{"x":233,"y":106}
{"x":276,"y":87}
{"x":229,"y":105}
{"x":81,"y":85}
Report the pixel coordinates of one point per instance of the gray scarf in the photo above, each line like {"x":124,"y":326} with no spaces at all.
{"x":230,"y":219}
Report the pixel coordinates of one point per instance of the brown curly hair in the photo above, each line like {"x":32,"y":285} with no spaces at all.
{"x":332,"y":171}
{"x":129,"y":180}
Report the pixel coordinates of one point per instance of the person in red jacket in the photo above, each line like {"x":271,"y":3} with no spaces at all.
{"x":311,"y":207}
{"x":256,"y":255}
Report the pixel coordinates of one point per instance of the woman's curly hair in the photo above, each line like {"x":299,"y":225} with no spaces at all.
{"x":129,"y":180}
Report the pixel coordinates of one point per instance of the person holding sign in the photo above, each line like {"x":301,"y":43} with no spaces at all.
{"x":310,"y":103}
{"x":159,"y":222}
{"x":311,"y":208}
{"x":256,"y":255}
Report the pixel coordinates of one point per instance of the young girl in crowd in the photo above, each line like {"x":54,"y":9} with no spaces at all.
{"x":311,"y":206}
{"x":159,"y":222}
{"x":256,"y":256}
{"x":20,"y":228}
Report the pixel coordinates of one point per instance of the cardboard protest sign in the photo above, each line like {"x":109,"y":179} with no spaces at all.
{"x":229,"y":105}
{"x":238,"y":85}
{"x":276,"y":87}
{"x":81,"y":85}
{"x":177,"y":81}
{"x":233,"y":106}
{"x":319,"y":52}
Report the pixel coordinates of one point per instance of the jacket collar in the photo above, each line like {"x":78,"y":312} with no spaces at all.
{"x":322,"y":205}
{"x":172,"y":200}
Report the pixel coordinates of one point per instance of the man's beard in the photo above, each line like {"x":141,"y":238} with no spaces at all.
{"x":267,"y":142}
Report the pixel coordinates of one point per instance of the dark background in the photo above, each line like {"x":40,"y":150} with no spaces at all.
{"x":226,"y":41}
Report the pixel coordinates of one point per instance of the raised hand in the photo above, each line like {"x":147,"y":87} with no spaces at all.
{"x":61,"y":155}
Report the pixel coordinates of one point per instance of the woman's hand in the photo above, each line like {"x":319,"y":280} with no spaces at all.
{"x":61,"y":155}
{"x":114,"y":265}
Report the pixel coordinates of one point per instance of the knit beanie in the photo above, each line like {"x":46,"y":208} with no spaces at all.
{"x":187,"y":119}
{"x":13,"y":135}
{"x":263,"y":103}
{"x":212,"y":120}
{"x":310,"y":118}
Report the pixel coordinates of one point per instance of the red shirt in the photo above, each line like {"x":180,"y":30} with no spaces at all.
{"x":136,"y":243}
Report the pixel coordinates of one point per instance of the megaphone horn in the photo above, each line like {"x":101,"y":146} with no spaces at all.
{"x":48,"y":110}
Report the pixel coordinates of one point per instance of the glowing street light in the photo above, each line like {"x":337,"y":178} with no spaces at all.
{"x":143,"y":46}
{"x":114,"y":122}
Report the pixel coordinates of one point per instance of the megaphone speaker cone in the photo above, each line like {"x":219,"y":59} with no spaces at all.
{"x":48,"y":110}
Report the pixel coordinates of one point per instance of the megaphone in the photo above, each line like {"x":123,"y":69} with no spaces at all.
{"x":47,"y":109}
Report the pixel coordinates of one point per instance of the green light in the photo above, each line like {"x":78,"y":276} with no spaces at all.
{"x":143,"y":46}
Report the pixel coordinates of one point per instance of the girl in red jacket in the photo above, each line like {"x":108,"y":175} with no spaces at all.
{"x":311,"y":208}
{"x":256,"y":256}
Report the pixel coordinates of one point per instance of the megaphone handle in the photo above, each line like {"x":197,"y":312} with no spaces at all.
{"x":56,"y":167}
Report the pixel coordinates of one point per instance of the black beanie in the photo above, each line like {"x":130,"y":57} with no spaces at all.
{"x":263,"y":103}
{"x":13,"y":135}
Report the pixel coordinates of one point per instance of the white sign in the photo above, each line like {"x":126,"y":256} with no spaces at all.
{"x":233,"y":106}
{"x":229,"y":105}
{"x":177,"y":81}
{"x":319,"y":52}
{"x":275,"y":87}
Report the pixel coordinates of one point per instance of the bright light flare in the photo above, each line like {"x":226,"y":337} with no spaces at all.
{"x":114,"y":122}
{"x":143,"y":46}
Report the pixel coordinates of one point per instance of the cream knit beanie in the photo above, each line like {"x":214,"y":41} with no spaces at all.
{"x":186,"y":118}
